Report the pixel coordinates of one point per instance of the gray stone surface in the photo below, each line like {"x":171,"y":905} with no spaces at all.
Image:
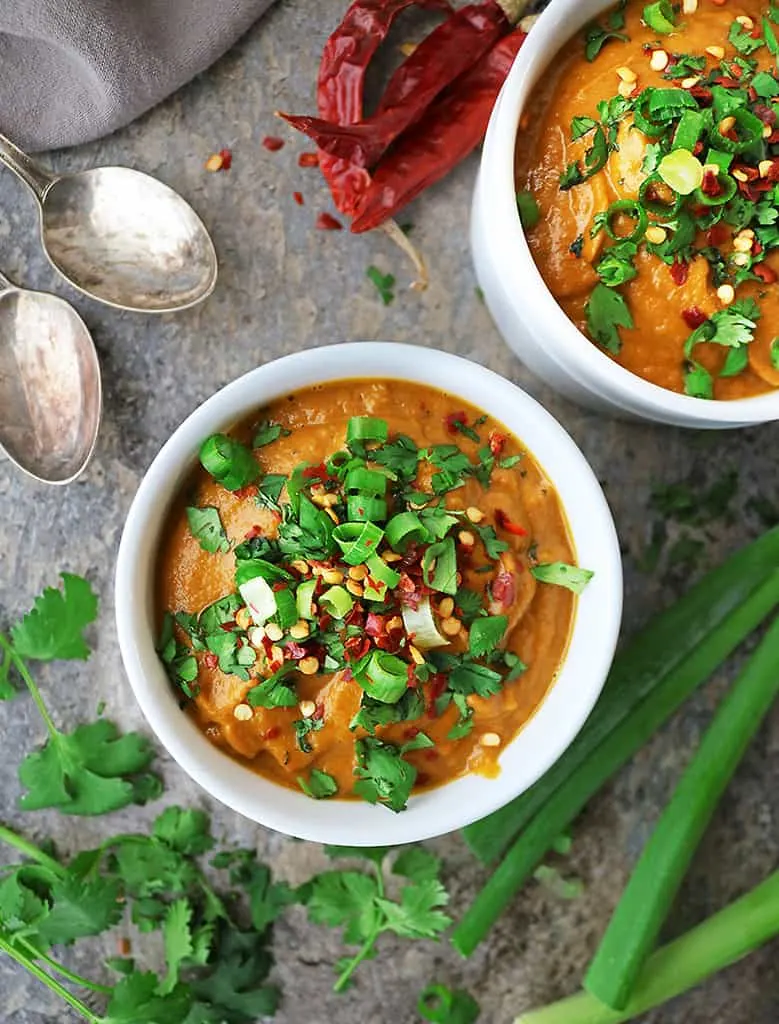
{"x":284,"y":287}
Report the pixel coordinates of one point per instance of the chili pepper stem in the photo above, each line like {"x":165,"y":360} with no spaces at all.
{"x":393,"y":231}
{"x":513,"y":9}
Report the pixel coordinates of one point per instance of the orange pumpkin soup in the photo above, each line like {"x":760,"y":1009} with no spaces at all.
{"x":365,"y":589}
{"x":647,"y":169}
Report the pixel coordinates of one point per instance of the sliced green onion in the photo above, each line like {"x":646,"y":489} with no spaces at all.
{"x":363,"y":508}
{"x":642,"y":120}
{"x":366,"y":428}
{"x":229,"y":462}
{"x":689,"y":130}
{"x":441,"y":559}
{"x":681,"y":171}
{"x":562,"y":575}
{"x":722,"y":160}
{"x":627,"y":208}
{"x":660,"y":17}
{"x":366,"y":481}
{"x":749,"y":130}
{"x":655,"y":206}
{"x":405,"y":528}
{"x":248,"y":568}
{"x":729,"y":188}
{"x":286,"y":608}
{"x":259,"y":598}
{"x":304,"y":598}
{"x":385,"y":677}
{"x":381,"y":578}
{"x":358,"y":541}
{"x":337,"y":601}
{"x":339,"y":462}
{"x":420,"y":624}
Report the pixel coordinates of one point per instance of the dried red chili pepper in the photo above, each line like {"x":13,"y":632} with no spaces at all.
{"x":764,"y":272}
{"x":448,"y":52}
{"x":327,"y":222}
{"x":345,"y":58}
{"x":507,"y":524}
{"x":679,"y":271}
{"x":210,"y":660}
{"x":453,"y":125}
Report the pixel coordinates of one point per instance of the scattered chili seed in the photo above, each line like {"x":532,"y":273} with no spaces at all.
{"x":308,"y":160}
{"x":273,"y":143}
{"x":327,"y":222}
{"x":298,"y":197}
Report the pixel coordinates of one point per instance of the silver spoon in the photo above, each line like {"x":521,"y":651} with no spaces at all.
{"x":50,"y":393}
{"x":120,"y":236}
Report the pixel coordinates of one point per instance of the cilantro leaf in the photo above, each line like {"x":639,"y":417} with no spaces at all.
{"x":319,"y":785}
{"x":20,"y":905}
{"x":571,"y":177}
{"x":267,"y":432}
{"x":185,"y":831}
{"x":742,"y":40}
{"x":87,"y":772}
{"x":529,"y":214}
{"x":303,"y":727}
{"x":469,"y":604}
{"x":385,"y":776}
{"x":207,"y":528}
{"x":135,"y":999}
{"x":492,"y":546}
{"x":467,"y":678}
{"x":270,"y":489}
{"x":486,"y":633}
{"x":400,"y":455}
{"x":384,"y":284}
{"x":698,"y":382}
{"x":53,"y":629}
{"x":372,"y":853}
{"x":81,"y":908}
{"x":572,"y":577}
{"x":607,"y":310}
{"x":373,"y":713}
{"x":417,"y":864}
{"x":233,"y":990}
{"x":273,"y":692}
{"x":344,"y":899}
{"x":177,"y":936}
{"x":581,"y":125}
{"x":439,"y":566}
{"x":417,"y":915}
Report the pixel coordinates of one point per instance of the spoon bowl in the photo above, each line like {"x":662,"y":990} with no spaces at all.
{"x":127,"y":239}
{"x":120,"y":236}
{"x":50,"y":390}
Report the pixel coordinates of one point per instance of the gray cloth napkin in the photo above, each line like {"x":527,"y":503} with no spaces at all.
{"x":73,"y":70}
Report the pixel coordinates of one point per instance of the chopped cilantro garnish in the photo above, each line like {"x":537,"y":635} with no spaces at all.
{"x":384,"y":284}
{"x":606,"y":311}
{"x":206,"y":526}
{"x":742,"y":40}
{"x":597,"y":35}
{"x":529,"y":213}
{"x":486,"y":633}
{"x":319,"y":785}
{"x":267,"y":432}
{"x":384,"y":775}
{"x":492,"y":545}
{"x":303,"y":727}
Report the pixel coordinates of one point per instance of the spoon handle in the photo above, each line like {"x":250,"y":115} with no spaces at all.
{"x":38,"y":180}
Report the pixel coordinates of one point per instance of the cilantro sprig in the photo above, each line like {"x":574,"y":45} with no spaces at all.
{"x":359,"y":901}
{"x":94,"y":769}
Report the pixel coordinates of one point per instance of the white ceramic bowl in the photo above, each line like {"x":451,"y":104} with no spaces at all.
{"x":523,"y":307}
{"x":543,"y":739}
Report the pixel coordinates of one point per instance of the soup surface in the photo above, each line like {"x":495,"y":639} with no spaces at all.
{"x":647,"y":164}
{"x":365,"y":589}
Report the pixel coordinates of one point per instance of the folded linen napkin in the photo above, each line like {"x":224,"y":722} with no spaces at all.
{"x":73,"y":70}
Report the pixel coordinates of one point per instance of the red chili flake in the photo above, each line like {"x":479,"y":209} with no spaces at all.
{"x":315,"y":472}
{"x":453,"y":419}
{"x":273,"y":733}
{"x":327,"y":222}
{"x":250,"y":491}
{"x":431,"y":755}
{"x":124,"y":947}
{"x":752,"y":93}
{"x":298,"y":197}
{"x":725,"y":82}
{"x":325,"y":621}
{"x":697,"y":149}
{"x":273,"y":143}
{"x":710,"y":186}
{"x":773,"y":138}
{"x":717,"y":234}
{"x":319,"y":712}
{"x":411,"y":678}
{"x":411,"y":732}
{"x":703,"y":95}
{"x":255,"y":531}
{"x":354,"y":618}
{"x":766,"y":114}
{"x":422,"y":779}
{"x":497,"y":442}
{"x":210,"y":660}
{"x":504,"y":588}
{"x":308,"y":160}
{"x":279,"y":586}
{"x":375,"y":625}
{"x":679,"y":270}
{"x":509,"y":525}
{"x":694,"y":317}
{"x":295,"y":651}
{"x":764,"y":272}
{"x":757,"y":248}
{"x":227,"y":159}
{"x":435,"y":688}
{"x":356,"y":647}
{"x":228,"y":627}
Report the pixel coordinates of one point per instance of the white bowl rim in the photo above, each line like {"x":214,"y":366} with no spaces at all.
{"x":542,"y":740}
{"x":563,"y":340}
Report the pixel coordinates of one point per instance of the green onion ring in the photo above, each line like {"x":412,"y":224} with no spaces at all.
{"x":632,"y":209}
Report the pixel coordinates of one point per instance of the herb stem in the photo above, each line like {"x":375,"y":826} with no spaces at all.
{"x":48,"y":981}
{"x":367,"y":946}
{"x":30,"y":683}
{"x":30,"y":850}
{"x":55,"y":965}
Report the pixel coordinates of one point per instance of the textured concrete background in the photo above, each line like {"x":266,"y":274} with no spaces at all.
{"x":285,"y":287}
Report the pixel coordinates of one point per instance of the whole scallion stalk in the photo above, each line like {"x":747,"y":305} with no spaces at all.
{"x":681,"y":965}
{"x":633,"y":930}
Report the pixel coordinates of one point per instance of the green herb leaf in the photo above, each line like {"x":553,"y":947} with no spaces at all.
{"x":698,"y":382}
{"x":606,"y":311}
{"x":529,"y":213}
{"x":267,"y":432}
{"x":384,"y":284}
{"x":469,"y":604}
{"x":303,"y":727}
{"x":443,"y":556}
{"x":417,"y":915}
{"x":318,"y":785}
{"x":562,"y":575}
{"x":417,"y":864}
{"x":53,"y":629}
{"x":135,"y":999}
{"x":344,"y":899}
{"x":385,"y":777}
{"x":80,"y":908}
{"x":486,"y":633}
{"x":493,"y":547}
{"x":206,"y":527}
{"x":742,"y":40}
{"x":185,"y":831}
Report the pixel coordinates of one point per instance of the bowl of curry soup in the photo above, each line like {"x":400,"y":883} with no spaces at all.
{"x":624,"y":227}
{"x":368,"y":593}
